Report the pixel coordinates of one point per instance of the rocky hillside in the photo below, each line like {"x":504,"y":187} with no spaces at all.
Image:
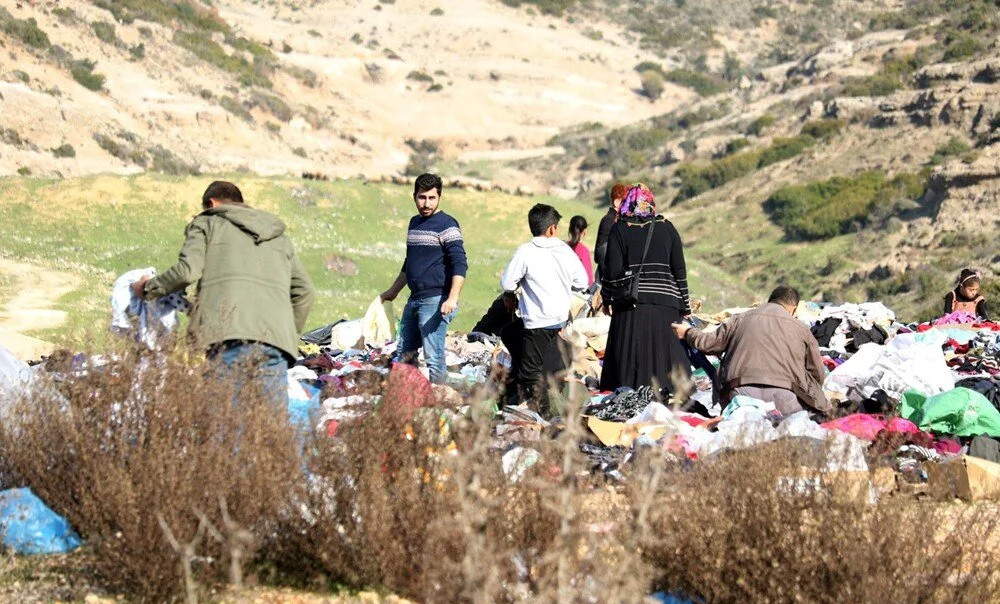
{"x":866,"y":168}
{"x":340,"y":88}
{"x":850,"y":146}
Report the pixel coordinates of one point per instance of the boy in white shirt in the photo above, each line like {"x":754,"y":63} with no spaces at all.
{"x":546,"y":270}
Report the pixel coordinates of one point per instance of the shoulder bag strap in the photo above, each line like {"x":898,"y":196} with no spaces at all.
{"x":645,"y":250}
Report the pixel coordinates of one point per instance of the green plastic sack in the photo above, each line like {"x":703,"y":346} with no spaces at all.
{"x":960,"y":412}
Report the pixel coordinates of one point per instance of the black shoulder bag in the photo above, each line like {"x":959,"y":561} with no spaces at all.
{"x":625,"y":290}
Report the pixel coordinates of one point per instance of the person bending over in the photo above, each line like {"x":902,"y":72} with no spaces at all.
{"x":769,"y":355}
{"x":253,"y":296}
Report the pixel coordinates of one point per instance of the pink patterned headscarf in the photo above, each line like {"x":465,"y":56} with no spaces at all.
{"x":638,"y":202}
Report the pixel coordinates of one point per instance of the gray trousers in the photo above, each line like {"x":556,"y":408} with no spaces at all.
{"x":784,"y":400}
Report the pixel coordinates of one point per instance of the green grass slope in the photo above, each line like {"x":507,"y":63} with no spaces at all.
{"x":99,"y":227}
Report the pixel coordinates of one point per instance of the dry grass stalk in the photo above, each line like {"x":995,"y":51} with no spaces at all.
{"x":148,"y":448}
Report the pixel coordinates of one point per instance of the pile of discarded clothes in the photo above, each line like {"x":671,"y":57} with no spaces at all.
{"x":906,"y":394}
{"x":916,"y":398}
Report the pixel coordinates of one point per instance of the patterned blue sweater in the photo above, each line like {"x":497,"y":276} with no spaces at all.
{"x":434,"y":254}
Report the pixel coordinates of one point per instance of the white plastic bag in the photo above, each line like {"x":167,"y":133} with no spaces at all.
{"x":375,"y":326}
{"x":345,"y":334}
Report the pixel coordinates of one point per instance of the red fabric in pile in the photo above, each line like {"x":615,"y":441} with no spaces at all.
{"x":868,"y":426}
{"x":406,"y":391}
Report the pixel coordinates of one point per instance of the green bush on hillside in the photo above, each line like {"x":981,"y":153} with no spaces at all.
{"x":11,"y":137}
{"x":823,"y":209}
{"x":25,"y":30}
{"x":828,"y":208}
{"x":166,"y":162}
{"x":784,"y":148}
{"x":546,"y":7}
{"x":236,"y":108}
{"x":275,"y":105}
{"x":125,"y":147}
{"x":83,"y":72}
{"x":63,"y":151}
{"x":695,"y":179}
{"x":892,"y":76}
{"x":419,"y":76}
{"x":737,"y":144}
{"x":200,"y":43}
{"x":757,"y":127}
{"x":649,"y":66}
{"x":822,"y":129}
{"x":704,"y":85}
{"x":185,"y":12}
{"x":954,"y":146}
{"x":873,"y":85}
{"x":302,"y":74}
{"x":960,"y":46}
{"x":64,"y":14}
{"x":105,"y":32}
{"x":652,"y":84}
{"x":893,"y":20}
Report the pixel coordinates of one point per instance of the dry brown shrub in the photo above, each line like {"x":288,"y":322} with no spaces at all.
{"x":147,"y":436}
{"x":766,"y":525}
{"x":392,"y":506}
{"x":420,"y":506}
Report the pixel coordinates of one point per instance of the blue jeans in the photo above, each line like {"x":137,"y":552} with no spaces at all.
{"x":267,"y":365}
{"x":423,"y":326}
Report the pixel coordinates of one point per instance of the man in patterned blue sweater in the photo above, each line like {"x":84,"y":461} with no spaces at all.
{"x":434,"y":270}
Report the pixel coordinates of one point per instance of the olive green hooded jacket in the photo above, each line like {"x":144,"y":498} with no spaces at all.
{"x":251,"y":285}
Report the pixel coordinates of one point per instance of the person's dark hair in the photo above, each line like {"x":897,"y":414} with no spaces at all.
{"x":577,"y":225}
{"x":223,"y":191}
{"x":969,"y":277}
{"x":541,"y":217}
{"x":784,"y":295}
{"x":426,"y":182}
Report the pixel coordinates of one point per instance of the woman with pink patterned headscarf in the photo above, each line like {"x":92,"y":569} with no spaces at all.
{"x":642,"y":348}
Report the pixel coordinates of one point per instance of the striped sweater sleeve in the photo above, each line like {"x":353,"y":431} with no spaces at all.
{"x":454,"y":249}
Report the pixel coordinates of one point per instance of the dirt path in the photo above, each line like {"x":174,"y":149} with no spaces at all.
{"x":35,"y":292}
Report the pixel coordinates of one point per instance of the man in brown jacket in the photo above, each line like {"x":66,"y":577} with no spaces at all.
{"x":769,"y":355}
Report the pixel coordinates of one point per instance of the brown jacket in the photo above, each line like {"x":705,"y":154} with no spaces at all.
{"x":766,"y":346}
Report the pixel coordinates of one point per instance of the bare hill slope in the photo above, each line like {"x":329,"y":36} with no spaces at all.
{"x":333,"y":87}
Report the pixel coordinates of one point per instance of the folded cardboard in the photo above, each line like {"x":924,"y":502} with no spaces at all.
{"x":620,"y":434}
{"x":966,"y":478}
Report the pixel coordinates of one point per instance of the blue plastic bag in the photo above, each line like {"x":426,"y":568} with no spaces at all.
{"x":28,"y":526}
{"x":301,"y":411}
{"x":662,"y":597}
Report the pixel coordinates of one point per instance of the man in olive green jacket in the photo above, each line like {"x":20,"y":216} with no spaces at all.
{"x":253,"y":295}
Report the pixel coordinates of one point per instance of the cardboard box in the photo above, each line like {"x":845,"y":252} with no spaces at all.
{"x":966,"y":478}
{"x":621,"y":434}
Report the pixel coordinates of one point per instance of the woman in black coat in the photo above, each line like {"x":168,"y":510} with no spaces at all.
{"x":642,"y":348}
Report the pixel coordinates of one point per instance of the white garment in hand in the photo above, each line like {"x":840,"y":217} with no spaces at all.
{"x":146,"y":320}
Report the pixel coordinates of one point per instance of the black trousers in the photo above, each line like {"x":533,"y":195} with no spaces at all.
{"x":536,"y":355}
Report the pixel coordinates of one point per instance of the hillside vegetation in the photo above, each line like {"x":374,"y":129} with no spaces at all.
{"x":848,"y":148}
{"x":337,"y":88}
{"x":350,"y":235}
{"x":861,"y":167}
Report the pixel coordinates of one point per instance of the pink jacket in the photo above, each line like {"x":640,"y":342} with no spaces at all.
{"x":584,"y":254}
